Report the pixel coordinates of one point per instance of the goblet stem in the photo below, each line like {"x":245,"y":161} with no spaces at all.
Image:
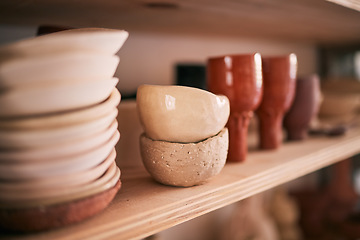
{"x":270,"y":130}
{"x":238,"y":128}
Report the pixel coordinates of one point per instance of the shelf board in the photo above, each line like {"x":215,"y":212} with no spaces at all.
{"x":144,"y":207}
{"x":316,"y":21}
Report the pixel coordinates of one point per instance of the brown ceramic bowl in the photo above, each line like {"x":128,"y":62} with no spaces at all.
{"x":36,"y":197}
{"x":184,"y":164}
{"x":37,"y":218}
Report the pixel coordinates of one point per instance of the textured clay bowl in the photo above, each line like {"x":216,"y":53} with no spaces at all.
{"x":105,"y":41}
{"x":18,"y":139}
{"x":56,"y":68}
{"x":57,"y":215}
{"x":44,"y":99}
{"x":69,"y":180}
{"x":185,"y":164}
{"x":58,"y":150}
{"x":65,"y":118}
{"x":57,"y":167}
{"x":43,"y":195}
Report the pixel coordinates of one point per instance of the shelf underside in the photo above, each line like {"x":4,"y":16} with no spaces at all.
{"x":316,"y":21}
{"x":143,"y":207}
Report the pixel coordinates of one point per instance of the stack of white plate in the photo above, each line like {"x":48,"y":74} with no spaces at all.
{"x":58,"y":128}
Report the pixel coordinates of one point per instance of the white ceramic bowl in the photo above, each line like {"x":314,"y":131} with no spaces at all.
{"x":55,"y":68}
{"x":54,"y":98}
{"x":100,"y":40}
{"x":31,"y":198}
{"x":57,"y":167}
{"x":57,"y":151}
{"x":69,"y":180}
{"x":19,"y":139}
{"x":65,"y":118}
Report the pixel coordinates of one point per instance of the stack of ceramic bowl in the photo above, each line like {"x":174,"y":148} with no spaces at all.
{"x":58,"y":128}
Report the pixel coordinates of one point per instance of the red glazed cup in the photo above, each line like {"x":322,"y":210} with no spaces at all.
{"x":304,"y":108}
{"x":239,"y":77}
{"x":279,"y":75}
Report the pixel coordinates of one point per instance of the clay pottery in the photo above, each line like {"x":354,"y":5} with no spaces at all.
{"x":58,"y":151}
{"x":69,"y":180}
{"x":45,"y":99}
{"x":238,"y":77}
{"x":184,"y":164}
{"x":56,"y":68}
{"x":279,"y":73}
{"x":97,"y":40}
{"x":62,"y":119}
{"x":304,"y":108}
{"x":57,"y":167}
{"x":181,"y":114}
{"x":20,"y":139}
{"x":21,"y":219}
{"x":59,"y":194}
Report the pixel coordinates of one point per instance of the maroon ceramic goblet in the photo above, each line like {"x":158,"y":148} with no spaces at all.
{"x":279,"y":75}
{"x":304,"y":108}
{"x":238,"y":77}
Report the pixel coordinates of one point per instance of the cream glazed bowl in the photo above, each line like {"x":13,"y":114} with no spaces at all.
{"x":51,"y":98}
{"x":99,"y":40}
{"x":52,"y":69}
{"x":185,"y":164}
{"x":181,"y":114}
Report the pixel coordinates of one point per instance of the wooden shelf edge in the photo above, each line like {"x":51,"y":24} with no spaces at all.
{"x":144,"y":207}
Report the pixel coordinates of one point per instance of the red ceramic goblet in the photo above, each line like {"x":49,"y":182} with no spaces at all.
{"x":238,"y":77}
{"x":279,"y":75}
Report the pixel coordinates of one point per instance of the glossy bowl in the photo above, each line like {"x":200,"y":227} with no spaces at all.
{"x":19,"y":139}
{"x":181,"y":114}
{"x":45,"y":99}
{"x":60,"y":166}
{"x":99,"y":40}
{"x":56,"y":151}
{"x":64,"y":118}
{"x":56,"y":68}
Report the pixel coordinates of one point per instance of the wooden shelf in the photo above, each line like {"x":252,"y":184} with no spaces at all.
{"x":143,"y":207}
{"x":315,"y":21}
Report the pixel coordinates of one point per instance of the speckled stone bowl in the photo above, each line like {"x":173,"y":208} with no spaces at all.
{"x":185,"y":164}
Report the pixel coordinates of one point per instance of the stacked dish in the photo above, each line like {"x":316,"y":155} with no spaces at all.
{"x":58,"y":128}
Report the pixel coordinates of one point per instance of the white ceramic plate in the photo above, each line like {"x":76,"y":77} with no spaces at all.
{"x":54,"y":98}
{"x":56,"y":68}
{"x":65,"y":118}
{"x":58,"y":151}
{"x":68,"y":180}
{"x":47,"y":137}
{"x":106,"y":41}
{"x":72,"y":164}
{"x":105,"y":182}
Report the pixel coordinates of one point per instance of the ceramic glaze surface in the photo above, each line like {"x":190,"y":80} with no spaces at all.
{"x":181,"y":114}
{"x":54,"y":69}
{"x":279,"y":73}
{"x":239,"y":77}
{"x":305,"y":107}
{"x":100,"y":40}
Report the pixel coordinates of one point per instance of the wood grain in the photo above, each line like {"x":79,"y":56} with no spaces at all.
{"x":144,"y":207}
{"x":315,"y":21}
